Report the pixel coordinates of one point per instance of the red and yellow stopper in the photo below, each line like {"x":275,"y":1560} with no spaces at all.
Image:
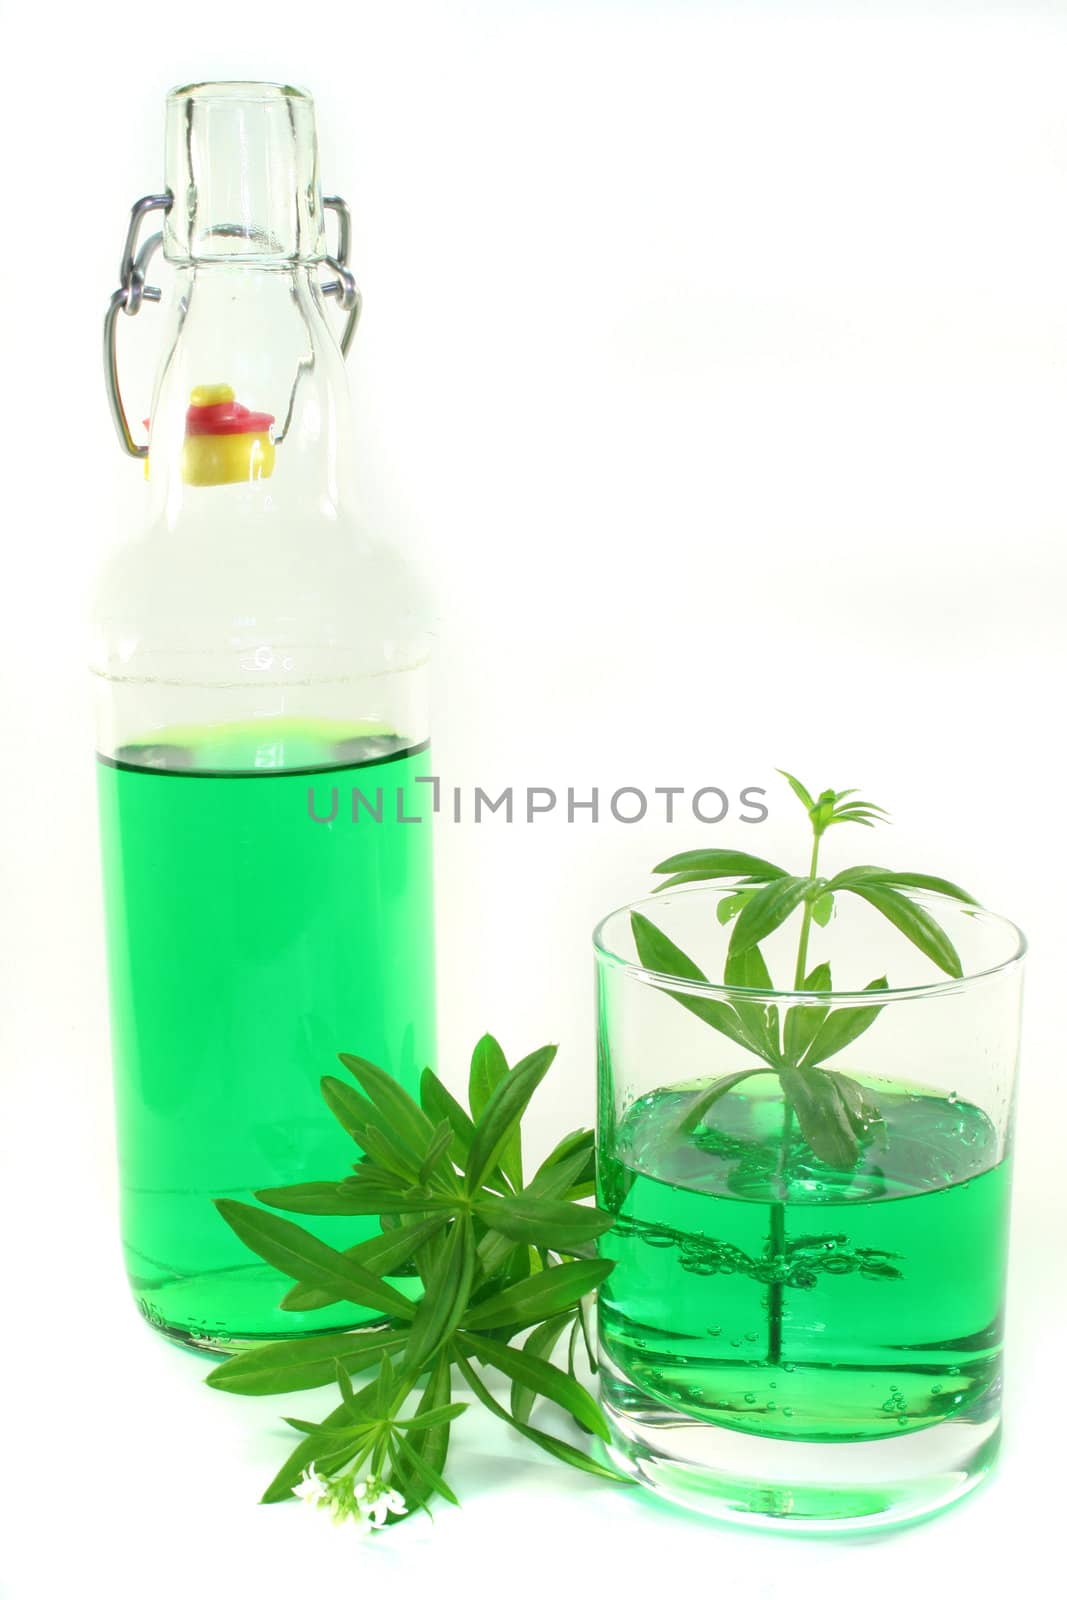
{"x":224,"y":441}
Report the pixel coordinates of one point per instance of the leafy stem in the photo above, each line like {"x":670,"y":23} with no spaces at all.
{"x":775,"y":1296}
{"x":833,"y":1111}
{"x":494,"y":1255}
{"x":805,"y":925}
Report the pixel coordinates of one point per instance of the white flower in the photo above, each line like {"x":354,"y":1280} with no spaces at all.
{"x":312,"y":1489}
{"x":376,"y":1502}
{"x":376,"y":1511}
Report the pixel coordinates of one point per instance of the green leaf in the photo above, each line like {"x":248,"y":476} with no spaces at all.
{"x":373,"y":1200}
{"x":344,"y":1383}
{"x":404,"y":1117}
{"x":431,"y":1445}
{"x":432,"y":1418}
{"x":581,"y":1173}
{"x":678,"y":881}
{"x":879,"y":1269}
{"x":710,"y":864}
{"x":297,"y":1253}
{"x":586,"y":1251}
{"x":448,"y":1290}
{"x":387,"y":1396}
{"x":535,"y":1298}
{"x":923,"y":880}
{"x":337,"y":1442}
{"x":330,"y":1461}
{"x":568,"y":1179}
{"x":901,"y":880}
{"x":495,"y":1252}
{"x":383,"y":1254}
{"x":541,"y":1343}
{"x":863,"y":812}
{"x":423,"y":1469}
{"x":657,"y":953}
{"x":841,"y":1027}
{"x":306,"y":1363}
{"x":309,"y":1199}
{"x":914,"y":922}
{"x":552,"y":1224}
{"x":440,"y":1105}
{"x":353,"y":1111}
{"x":502,"y":1114}
{"x":802,"y":1023}
{"x":798,"y":789}
{"x":748,"y":970}
{"x":860,"y":1109}
{"x":293,"y":1468}
{"x":541,"y":1376}
{"x":331,"y":1438}
{"x":371,"y":1129}
{"x":390,"y":1155}
{"x":730,"y":904}
{"x":585,"y":1317}
{"x":308,"y":1450}
{"x":822,"y":909}
{"x":578,"y":1139}
{"x":553,"y":1447}
{"x":768,"y":909}
{"x":821,"y":1116}
{"x":698,"y":1108}
{"x":572,"y":1350}
{"x":440,"y":1145}
{"x":489,"y":1068}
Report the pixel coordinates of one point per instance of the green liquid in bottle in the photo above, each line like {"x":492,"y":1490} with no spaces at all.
{"x":891,"y":1280}
{"x":248,"y":944}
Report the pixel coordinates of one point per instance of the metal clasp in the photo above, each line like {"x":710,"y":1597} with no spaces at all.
{"x":344,"y":285}
{"x":134,"y":290}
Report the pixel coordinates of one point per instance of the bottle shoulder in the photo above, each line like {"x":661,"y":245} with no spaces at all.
{"x":230,"y":581}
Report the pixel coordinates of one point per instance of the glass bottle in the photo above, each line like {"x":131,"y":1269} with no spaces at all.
{"x":259,"y":657}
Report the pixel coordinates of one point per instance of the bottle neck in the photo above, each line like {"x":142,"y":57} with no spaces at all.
{"x":252,"y":338}
{"x":242,"y":166}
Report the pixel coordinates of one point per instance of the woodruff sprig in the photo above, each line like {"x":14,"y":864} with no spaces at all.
{"x":493,"y":1256}
{"x":833,"y":1111}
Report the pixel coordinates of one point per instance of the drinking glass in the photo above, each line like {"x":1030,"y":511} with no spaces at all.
{"x":786,"y":1339}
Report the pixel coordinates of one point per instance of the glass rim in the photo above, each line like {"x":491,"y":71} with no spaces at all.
{"x":813,"y":997}
{"x":248,"y":91}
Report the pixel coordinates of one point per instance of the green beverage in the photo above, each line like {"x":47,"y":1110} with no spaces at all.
{"x":760,"y":1289}
{"x":260,"y":918}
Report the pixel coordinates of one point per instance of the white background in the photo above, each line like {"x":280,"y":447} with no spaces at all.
{"x":713,"y":365}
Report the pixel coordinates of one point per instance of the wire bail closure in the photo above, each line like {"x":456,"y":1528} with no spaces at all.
{"x":134,"y":290}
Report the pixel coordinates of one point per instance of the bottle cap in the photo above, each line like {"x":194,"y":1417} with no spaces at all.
{"x":225,"y":442}
{"x":214,"y":408}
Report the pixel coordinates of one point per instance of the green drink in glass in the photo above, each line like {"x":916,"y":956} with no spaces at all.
{"x":788,"y":1339}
